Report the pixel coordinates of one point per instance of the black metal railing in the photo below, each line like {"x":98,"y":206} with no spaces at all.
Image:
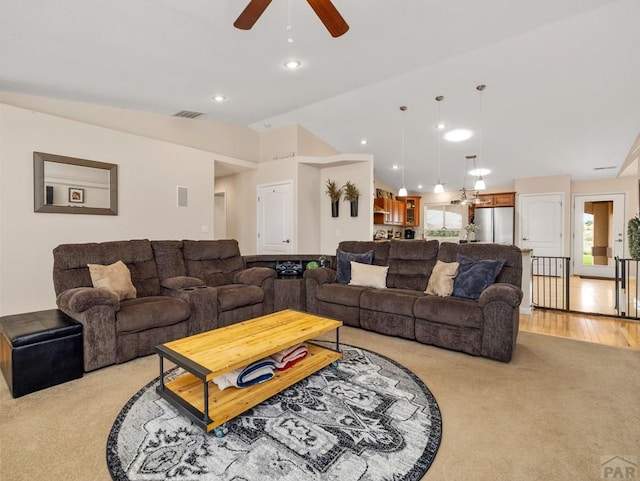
{"x":550,"y":282}
{"x":626,"y":289}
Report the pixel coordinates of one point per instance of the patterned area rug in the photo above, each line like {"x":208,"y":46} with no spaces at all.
{"x":368,"y":418}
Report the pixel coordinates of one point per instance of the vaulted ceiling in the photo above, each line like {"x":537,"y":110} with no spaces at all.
{"x":562,"y":76}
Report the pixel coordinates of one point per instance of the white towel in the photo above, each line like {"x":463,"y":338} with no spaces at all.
{"x":257,"y":372}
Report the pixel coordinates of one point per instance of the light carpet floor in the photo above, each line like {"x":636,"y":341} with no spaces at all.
{"x":556,"y":411}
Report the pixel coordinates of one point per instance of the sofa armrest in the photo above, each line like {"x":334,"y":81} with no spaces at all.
{"x":501,"y":312}
{"x":321,"y":275}
{"x":501,"y":292}
{"x":262,"y":277}
{"x":181,"y":282}
{"x":313,"y":279}
{"x":254,"y":276}
{"x":81,"y":299}
{"x":96,"y":310}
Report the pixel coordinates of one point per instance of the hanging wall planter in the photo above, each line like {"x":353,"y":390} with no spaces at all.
{"x":335,"y":209}
{"x":351,"y":193}
{"x":334,"y":192}
{"x":354,"y":208}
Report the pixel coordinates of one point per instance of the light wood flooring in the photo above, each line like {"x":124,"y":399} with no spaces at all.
{"x":595,"y":296}
{"x":584,"y":327}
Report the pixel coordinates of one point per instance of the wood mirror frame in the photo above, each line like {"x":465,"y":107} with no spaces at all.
{"x":39,"y":197}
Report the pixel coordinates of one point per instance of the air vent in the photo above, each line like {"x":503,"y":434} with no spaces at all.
{"x":609,"y":167}
{"x":188,"y":114}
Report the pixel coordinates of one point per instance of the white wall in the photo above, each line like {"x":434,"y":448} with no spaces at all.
{"x":236,"y":141}
{"x":336,"y":229}
{"x":310,"y":184}
{"x":315,"y":230}
{"x":148,"y":173}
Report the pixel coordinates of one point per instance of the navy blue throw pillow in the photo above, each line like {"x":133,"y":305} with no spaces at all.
{"x":475,"y":276}
{"x":343,"y":274}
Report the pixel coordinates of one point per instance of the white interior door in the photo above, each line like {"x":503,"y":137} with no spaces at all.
{"x":598,"y":235}
{"x":541,"y":224}
{"x":275,"y":219}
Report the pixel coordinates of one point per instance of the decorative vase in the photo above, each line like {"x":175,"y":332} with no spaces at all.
{"x":335,"y":208}
{"x":472,"y":236}
{"x":354,"y":208}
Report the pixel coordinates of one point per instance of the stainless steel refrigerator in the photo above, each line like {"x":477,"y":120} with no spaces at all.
{"x":496,"y":224}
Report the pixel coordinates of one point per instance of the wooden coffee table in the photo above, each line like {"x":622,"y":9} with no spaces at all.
{"x":209,"y":354}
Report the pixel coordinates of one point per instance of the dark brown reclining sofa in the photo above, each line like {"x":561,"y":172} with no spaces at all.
{"x":182,"y":288}
{"x":487,"y":326}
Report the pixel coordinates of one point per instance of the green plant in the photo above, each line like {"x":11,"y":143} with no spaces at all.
{"x":333,"y":191}
{"x":633,"y":232}
{"x":351,"y":191}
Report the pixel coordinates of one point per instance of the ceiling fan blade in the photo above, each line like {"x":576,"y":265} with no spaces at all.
{"x":330,"y":16}
{"x":251,"y":14}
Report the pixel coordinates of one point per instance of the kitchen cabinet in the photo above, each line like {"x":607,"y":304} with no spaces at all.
{"x":412,"y":210}
{"x":390,"y":211}
{"x":500,"y":199}
{"x":505,"y":199}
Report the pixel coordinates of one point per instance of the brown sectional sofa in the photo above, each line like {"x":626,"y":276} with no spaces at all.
{"x":183,"y":288}
{"x":485,"y":327}
{"x":187,"y":287}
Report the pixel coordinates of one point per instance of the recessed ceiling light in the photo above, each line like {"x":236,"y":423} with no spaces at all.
{"x":395,"y":167}
{"x":458,"y":135}
{"x":419,"y":186}
{"x":293,"y":64}
{"x":479,"y":172}
{"x":441,"y":125}
{"x":219,"y":98}
{"x":363,"y":142}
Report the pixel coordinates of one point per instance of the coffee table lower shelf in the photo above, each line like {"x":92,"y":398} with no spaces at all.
{"x":187,"y":391}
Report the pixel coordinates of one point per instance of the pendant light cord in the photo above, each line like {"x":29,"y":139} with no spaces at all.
{"x":289,"y":23}
{"x":480,"y":88}
{"x":439,"y":188}
{"x":403,"y":190}
{"x":403,"y":149}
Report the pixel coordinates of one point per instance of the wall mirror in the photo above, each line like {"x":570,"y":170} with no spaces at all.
{"x":67,"y":185}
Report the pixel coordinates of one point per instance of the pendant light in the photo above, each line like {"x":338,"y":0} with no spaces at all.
{"x":439,"y":188}
{"x":403,"y":190}
{"x":480,"y":184}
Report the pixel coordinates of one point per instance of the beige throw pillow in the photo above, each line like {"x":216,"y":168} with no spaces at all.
{"x":442,"y":277}
{"x":367,"y":275}
{"x":115,"y":277}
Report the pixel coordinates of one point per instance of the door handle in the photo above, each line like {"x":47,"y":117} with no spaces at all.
{"x":286,"y":241}
{"x":524,"y":238}
{"x":618,"y":240}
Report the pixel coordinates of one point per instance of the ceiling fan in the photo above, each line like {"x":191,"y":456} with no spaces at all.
{"x":325,"y":10}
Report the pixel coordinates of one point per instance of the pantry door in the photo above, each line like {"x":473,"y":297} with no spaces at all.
{"x":275,"y":219}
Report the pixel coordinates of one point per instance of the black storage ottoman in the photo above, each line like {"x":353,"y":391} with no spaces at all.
{"x":39,"y":350}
